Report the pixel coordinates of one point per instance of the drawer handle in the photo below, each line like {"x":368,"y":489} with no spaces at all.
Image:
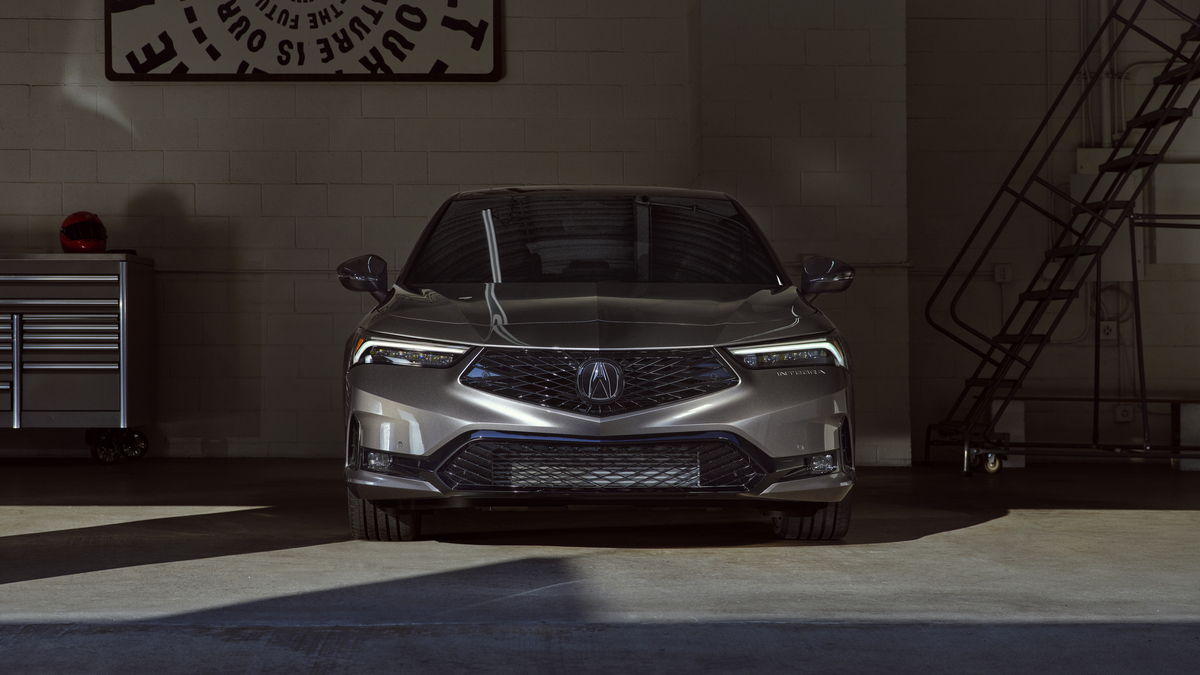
{"x":62,"y":303}
{"x":71,"y":366}
{"x":79,"y":278}
{"x":70,"y":347}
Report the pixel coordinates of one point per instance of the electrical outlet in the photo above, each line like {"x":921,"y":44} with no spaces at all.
{"x":1002,"y":273}
{"x":1108,"y":331}
{"x":1123,"y":413}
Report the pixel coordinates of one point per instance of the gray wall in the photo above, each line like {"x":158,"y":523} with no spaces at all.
{"x":247,"y":195}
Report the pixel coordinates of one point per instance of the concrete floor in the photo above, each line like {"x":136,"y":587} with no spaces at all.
{"x":231,"y":566}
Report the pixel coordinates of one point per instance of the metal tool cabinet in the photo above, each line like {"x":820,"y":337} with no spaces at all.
{"x":77,"y":343}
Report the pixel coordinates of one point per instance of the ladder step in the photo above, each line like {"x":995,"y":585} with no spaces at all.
{"x":1013,"y":339}
{"x":1181,"y":75}
{"x":1068,"y":251}
{"x":984,"y":382}
{"x":1191,"y":36}
{"x":1100,"y":207}
{"x":1128,"y":163}
{"x":1167,"y":115}
{"x":1060,"y":294}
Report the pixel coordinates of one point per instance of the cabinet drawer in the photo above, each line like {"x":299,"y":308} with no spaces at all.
{"x":71,"y":390}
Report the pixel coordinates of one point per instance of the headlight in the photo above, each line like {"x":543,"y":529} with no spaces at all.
{"x":404,"y":353}
{"x":824,"y":352}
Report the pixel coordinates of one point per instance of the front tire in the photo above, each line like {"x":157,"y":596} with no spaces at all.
{"x":830,"y":523}
{"x":372,"y":523}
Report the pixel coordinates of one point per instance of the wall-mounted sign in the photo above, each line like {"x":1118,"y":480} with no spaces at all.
{"x":303,"y":39}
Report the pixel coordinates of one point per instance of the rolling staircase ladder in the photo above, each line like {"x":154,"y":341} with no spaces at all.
{"x":1006,"y":359}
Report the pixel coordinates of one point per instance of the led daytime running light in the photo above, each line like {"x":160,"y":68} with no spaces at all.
{"x":366,"y":345}
{"x":791,"y":347}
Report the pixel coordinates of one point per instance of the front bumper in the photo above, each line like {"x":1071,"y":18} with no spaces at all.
{"x":760,"y":479}
{"x":424,"y":416}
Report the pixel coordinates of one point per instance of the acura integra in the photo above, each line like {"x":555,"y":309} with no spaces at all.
{"x":627,"y":346}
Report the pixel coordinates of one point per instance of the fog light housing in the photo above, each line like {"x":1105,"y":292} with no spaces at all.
{"x":822,"y":464}
{"x":377,"y":461}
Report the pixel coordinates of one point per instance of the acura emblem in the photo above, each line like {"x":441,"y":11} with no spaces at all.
{"x":599,"y":381}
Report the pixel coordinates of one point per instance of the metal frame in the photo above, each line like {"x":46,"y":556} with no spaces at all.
{"x":17,"y":367}
{"x":1007,"y":358}
{"x":123,"y":336}
{"x":59,"y":315}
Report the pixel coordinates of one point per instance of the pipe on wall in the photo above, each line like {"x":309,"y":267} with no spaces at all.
{"x":1106,"y":107}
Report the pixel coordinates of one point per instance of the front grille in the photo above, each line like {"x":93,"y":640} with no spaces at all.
{"x":699,"y":466}
{"x":651,"y":377}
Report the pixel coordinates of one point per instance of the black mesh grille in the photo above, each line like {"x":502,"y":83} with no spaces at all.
{"x":650,"y":378}
{"x":704,"y":466}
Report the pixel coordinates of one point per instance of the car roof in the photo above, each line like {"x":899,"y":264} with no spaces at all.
{"x":594,"y":190}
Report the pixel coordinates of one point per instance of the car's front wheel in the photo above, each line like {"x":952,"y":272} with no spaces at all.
{"x":370,"y":522}
{"x":830,"y":523}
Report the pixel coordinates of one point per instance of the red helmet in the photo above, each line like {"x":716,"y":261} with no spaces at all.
{"x":82,"y":232}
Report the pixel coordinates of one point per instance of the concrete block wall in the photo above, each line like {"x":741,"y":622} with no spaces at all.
{"x":248,"y":195}
{"x":804,"y":108}
{"x":981,"y":75}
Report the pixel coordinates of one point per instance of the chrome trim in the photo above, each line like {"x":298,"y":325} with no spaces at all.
{"x":60,"y":336}
{"x":61,"y":303}
{"x":38,"y":328}
{"x":74,"y":317}
{"x":61,"y":347}
{"x":16,"y":371}
{"x":67,"y":336}
{"x":123,"y":336}
{"x":81,"y":278}
{"x":71,"y":366}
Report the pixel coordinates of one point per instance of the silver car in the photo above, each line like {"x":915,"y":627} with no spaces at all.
{"x":597,"y":346}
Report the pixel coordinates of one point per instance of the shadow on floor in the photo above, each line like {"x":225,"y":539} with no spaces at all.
{"x":303,"y":505}
{"x":538,"y":614}
{"x":42,"y":555}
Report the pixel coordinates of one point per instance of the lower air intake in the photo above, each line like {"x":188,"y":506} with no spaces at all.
{"x":703,"y":466}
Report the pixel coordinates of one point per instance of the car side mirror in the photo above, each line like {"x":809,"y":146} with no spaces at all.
{"x":365,"y":274}
{"x":825,"y":275}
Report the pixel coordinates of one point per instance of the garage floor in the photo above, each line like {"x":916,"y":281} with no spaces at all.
{"x":231,"y":566}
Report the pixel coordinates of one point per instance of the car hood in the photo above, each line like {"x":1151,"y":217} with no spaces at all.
{"x":597,"y":316}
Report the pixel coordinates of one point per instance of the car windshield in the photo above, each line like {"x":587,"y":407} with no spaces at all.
{"x":593,"y":238}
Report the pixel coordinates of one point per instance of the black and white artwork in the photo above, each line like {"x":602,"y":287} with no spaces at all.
{"x":303,"y":39}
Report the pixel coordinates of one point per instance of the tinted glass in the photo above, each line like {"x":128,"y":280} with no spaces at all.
{"x":543,"y":238}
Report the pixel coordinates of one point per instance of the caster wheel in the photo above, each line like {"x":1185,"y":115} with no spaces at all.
{"x":105,"y":444}
{"x":106,"y":454}
{"x":133,"y":444}
{"x":992,"y":464}
{"x":976,"y":460}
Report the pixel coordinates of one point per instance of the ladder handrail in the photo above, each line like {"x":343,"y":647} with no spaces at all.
{"x":952,"y":270}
